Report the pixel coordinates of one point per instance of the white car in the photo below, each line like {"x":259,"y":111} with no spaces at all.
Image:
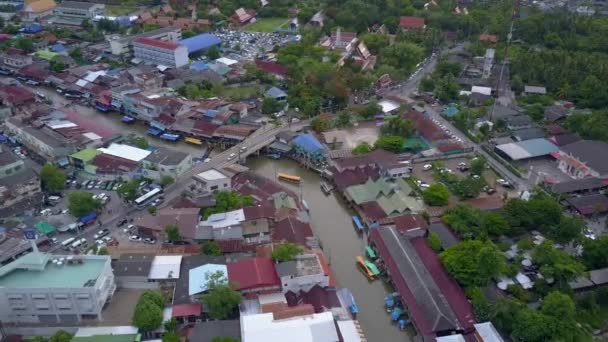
{"x":231,"y":156}
{"x":134,"y":238}
{"x":427,"y":167}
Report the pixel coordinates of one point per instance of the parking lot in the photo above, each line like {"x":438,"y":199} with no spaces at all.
{"x":247,"y":45}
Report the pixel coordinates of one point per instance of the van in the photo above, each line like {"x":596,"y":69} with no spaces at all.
{"x":41,"y":95}
{"x":53,"y":199}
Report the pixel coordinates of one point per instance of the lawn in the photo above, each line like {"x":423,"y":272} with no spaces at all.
{"x":241,"y":93}
{"x":266,"y":24}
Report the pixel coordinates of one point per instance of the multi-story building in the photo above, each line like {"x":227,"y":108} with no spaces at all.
{"x":165,"y":162}
{"x":213,"y":181}
{"x":41,"y":141}
{"x":303,"y":273}
{"x":160,"y":52}
{"x":124,"y":45}
{"x":51,"y":289}
{"x":75,"y":12}
{"x":38,"y":9}
{"x":15,"y":61}
{"x":17,"y":183}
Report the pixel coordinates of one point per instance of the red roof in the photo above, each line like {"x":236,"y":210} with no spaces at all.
{"x":295,"y":311}
{"x":253,"y":273}
{"x":16,"y":95}
{"x":184,"y":310}
{"x":320,"y":298}
{"x":272,"y":67}
{"x":107,"y":164}
{"x":230,"y":246}
{"x":408,"y":222}
{"x":327,"y":270}
{"x":490,"y":38}
{"x":411,"y":22}
{"x":157,"y":43}
{"x":4,"y":37}
{"x":372,"y":211}
{"x":255,"y":212}
{"x":202,"y":128}
{"x":426,"y":127}
{"x":350,"y":177}
{"x":293,"y":230}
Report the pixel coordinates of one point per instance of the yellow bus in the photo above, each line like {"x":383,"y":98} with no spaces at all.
{"x":289,"y":178}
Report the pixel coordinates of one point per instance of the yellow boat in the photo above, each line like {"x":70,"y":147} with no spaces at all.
{"x":363,"y":266}
{"x":193,"y":141}
{"x":289,"y":178}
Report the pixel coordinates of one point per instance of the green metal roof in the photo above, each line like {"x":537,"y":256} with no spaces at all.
{"x":45,"y":54}
{"x":109,"y":338}
{"x":44,"y":227}
{"x":370,"y":191}
{"x":86,"y":155}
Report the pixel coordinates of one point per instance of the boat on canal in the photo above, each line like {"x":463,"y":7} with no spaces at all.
{"x":364,"y":268}
{"x":370,"y":253}
{"x":358,"y":225}
{"x":289,"y":178}
{"x":274,"y":156}
{"x":326,"y":188}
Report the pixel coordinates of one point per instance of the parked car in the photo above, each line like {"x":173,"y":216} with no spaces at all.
{"x":121,"y":223}
{"x":149,"y":241}
{"x":231,"y":156}
{"x":427,"y":167}
{"x":134,"y":238}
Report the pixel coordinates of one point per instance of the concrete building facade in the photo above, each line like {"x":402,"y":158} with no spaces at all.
{"x":160,"y":52}
{"x":124,"y":45}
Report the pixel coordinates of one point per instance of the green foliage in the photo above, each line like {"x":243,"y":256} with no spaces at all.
{"x":224,"y":339}
{"x":171,"y":325}
{"x":560,"y":306}
{"x":477,"y":166}
{"x":390,"y":143}
{"x":166,"y":180}
{"x":471,"y":223}
{"x":374,"y":42}
{"x":595,"y":253}
{"x":24,"y":43}
{"x":201,"y":90}
{"x":102,"y":251}
{"x":148,"y":314}
{"x":170,"y":337}
{"x":211,"y":248}
{"x":556,"y":264}
{"x":530,"y":325}
{"x":426,"y":84}
{"x":286,"y":252}
{"x":447,"y":89}
{"x":525,"y":244}
{"x":128,"y":191}
{"x":319,"y":124}
{"x":52,"y":178}
{"x":362,"y":148}
{"x":473,"y":262}
{"x":227,"y":201}
{"x":436,"y":195}
{"x":271,"y":106}
{"x":57,"y":66}
{"x":434,"y":241}
{"x":213,"y":53}
{"x":76,"y":53}
{"x":172,"y":232}
{"x":402,"y":55}
{"x":61,"y":336}
{"x":343,"y":118}
{"x":370,"y":110}
{"x":483,"y":309}
{"x":589,"y":125}
{"x":152,"y":210}
{"x":398,"y":126}
{"x":221,"y":301}
{"x":541,"y":212}
{"x":82,"y":203}
{"x":139,"y":142}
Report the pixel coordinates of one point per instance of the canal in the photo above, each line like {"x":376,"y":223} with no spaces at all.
{"x":331,"y":222}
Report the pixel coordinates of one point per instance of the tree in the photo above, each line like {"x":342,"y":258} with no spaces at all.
{"x":434,"y":241}
{"x":517,"y":84}
{"x":172,"y":232}
{"x":319,"y":124}
{"x":147,"y":316}
{"x":556,"y":264}
{"x":477,"y":166}
{"x":102,"y":251}
{"x":213,"y":53}
{"x":82,"y":203}
{"x":286,"y":252}
{"x":170,"y":337}
{"x":472,"y":223}
{"x":76,"y":53}
{"x":52,"y":178}
{"x":224,"y":339}
{"x":398,"y":126}
{"x":568,"y":229}
{"x":483,"y":309}
{"x":24,"y":43}
{"x":166,"y":180}
{"x":560,"y":306}
{"x":595,"y":253}
{"x":270,"y":105}
{"x":152,"y":210}
{"x":436,"y":195}
{"x":211,"y":248}
{"x":155,"y":297}
{"x":473,"y":262}
{"x":128,"y":191}
{"x":171,"y":325}
{"x":226,"y":201}
{"x":426,"y":84}
{"x":390,"y":143}
{"x":532,"y":326}
{"x":402,"y":55}
{"x":221,"y":300}
{"x":447,"y":89}
{"x":370,"y":110}
{"x":343,"y":119}
{"x":362,"y":148}
{"x":139,"y":142}
{"x":57,"y":66}
{"x":61,"y":336}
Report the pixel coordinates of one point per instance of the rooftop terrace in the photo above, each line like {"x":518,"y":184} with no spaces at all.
{"x":52,"y":274}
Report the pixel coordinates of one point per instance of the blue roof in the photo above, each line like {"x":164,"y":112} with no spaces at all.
{"x":199,"y":66}
{"x":308,"y":143}
{"x":32,"y":28}
{"x":210,"y":113}
{"x":200,"y":42}
{"x":275,"y":92}
{"x":199,"y":277}
{"x":528,"y":149}
{"x":58,"y":48}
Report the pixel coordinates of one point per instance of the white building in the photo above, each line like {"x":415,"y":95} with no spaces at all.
{"x":167,"y":162}
{"x":165,"y":267}
{"x":75,"y":12}
{"x":309,"y":328}
{"x":124,"y":45}
{"x":160,"y":52}
{"x":213,"y":181}
{"x":45,"y":288}
{"x":302,"y":273}
{"x":126,"y":152}
{"x":222,"y":226}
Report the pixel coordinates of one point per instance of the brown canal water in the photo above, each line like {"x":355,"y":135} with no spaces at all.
{"x":332,"y":223}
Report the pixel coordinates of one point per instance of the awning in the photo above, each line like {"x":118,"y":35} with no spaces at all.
{"x":153,"y":131}
{"x":44,"y":227}
{"x":127,"y":119}
{"x":157,"y":125}
{"x":193,"y":141}
{"x":185,"y":310}
{"x":63,"y":161}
